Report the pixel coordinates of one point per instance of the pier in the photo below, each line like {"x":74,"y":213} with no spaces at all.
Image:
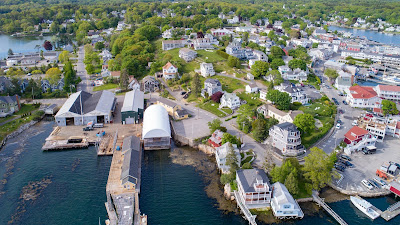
{"x":250,"y":217}
{"x":391,"y":212}
{"x":321,"y":202}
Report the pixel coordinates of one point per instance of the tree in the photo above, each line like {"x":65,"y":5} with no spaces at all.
{"x":149,"y":31}
{"x":305,"y":122}
{"x":216,"y":97}
{"x":389,"y":107}
{"x":53,"y":75}
{"x":214,"y":125}
{"x":318,"y":168}
{"x":227,"y":137}
{"x":70,"y":79}
{"x":277,"y":52}
{"x":292,"y":183}
{"x":281,"y":99}
{"x":16,"y":87}
{"x":295,"y":34}
{"x":10,"y":51}
{"x":231,"y":159}
{"x":47,"y":45}
{"x":233,"y":61}
{"x":260,"y":68}
{"x":260,"y":129}
{"x":276,"y":77}
{"x":99,"y":45}
{"x":297,"y":63}
{"x":196,"y":85}
{"x":124,"y":79}
{"x":277,"y":62}
{"x":331,"y":74}
{"x":63,"y":57}
{"x":315,"y":45}
{"x":245,"y":37}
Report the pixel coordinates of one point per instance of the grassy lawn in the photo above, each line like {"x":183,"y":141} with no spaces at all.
{"x":13,"y":126}
{"x":26,"y":108}
{"x":252,"y":99}
{"x":246,"y":160}
{"x":210,"y":56}
{"x":212,"y":107}
{"x":105,"y":87}
{"x":230,"y":84}
{"x":6,"y":118}
{"x":227,"y":110}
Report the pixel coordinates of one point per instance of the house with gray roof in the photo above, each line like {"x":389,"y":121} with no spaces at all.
{"x":9,"y":105}
{"x":296,"y":93}
{"x":132,"y":163}
{"x":270,"y":111}
{"x":211,"y":86}
{"x":83,"y":107}
{"x":283,"y":205}
{"x":187,"y":54}
{"x":132,"y":108}
{"x":286,"y":138}
{"x":230,"y":100}
{"x":222,"y":152}
{"x":254,"y":189}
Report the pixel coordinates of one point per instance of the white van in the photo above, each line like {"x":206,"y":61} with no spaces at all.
{"x":98,"y":125}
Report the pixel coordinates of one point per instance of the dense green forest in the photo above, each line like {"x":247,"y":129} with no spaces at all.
{"x":21,"y":16}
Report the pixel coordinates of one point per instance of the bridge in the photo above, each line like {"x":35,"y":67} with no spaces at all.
{"x":250,"y":217}
{"x":321,"y":202}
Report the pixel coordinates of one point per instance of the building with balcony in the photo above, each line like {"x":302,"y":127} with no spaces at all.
{"x":283,"y":205}
{"x":9,"y":105}
{"x":286,"y":138}
{"x":389,"y":92}
{"x":296,"y":93}
{"x":358,"y":139}
{"x":254,"y":189}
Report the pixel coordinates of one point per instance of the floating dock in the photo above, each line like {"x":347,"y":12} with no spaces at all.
{"x":64,"y":144}
{"x":391,"y":212}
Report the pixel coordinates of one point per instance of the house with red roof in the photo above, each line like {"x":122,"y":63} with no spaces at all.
{"x":169,"y":71}
{"x":363,"y":97}
{"x":358,"y":139}
{"x":216,"y":138}
{"x":389,"y":92}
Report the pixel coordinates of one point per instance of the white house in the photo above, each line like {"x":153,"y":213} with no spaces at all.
{"x":221,"y":154}
{"x":207,"y":69}
{"x":296,"y":74}
{"x":169,"y":71}
{"x":234,"y":19}
{"x":296,"y":93}
{"x":167,"y":34}
{"x":133,"y":84}
{"x":263,"y":94}
{"x":283,"y":205}
{"x":269,"y":111}
{"x":187,"y":54}
{"x":362,"y":97}
{"x":389,"y":92}
{"x":254,"y":189}
{"x":284,"y":69}
{"x":251,"y":88}
{"x":344,"y":81}
{"x":230,"y":100}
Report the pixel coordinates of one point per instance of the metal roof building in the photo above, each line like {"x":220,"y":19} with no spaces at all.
{"x":156,"y":128}
{"x":132,"y":109}
{"x":83,"y":107}
{"x":132,"y":163}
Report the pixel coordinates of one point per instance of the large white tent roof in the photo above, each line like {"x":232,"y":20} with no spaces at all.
{"x":156,"y":122}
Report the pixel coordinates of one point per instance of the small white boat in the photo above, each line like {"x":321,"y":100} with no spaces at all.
{"x":364,"y":206}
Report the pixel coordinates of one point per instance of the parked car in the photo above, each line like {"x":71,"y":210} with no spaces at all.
{"x":338,"y":126}
{"x":344,"y":102}
{"x":341,"y":111}
{"x":87,"y":128}
{"x":340,"y":168}
{"x":183,"y":92}
{"x":367,"y":184}
{"x":345,"y":157}
{"x":98,"y":125}
{"x":373,"y":183}
{"x":339,"y":121}
{"x":368,"y":151}
{"x":341,"y":164}
{"x":354,"y":123}
{"x":347,"y":163}
{"x":380,"y":181}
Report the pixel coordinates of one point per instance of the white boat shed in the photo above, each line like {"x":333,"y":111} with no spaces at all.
{"x":156,"y":128}
{"x":83,"y":107}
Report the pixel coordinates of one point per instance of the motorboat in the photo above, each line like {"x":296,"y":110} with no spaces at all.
{"x":365,"y":207}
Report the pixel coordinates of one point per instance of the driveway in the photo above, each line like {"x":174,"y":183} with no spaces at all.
{"x":81,"y":72}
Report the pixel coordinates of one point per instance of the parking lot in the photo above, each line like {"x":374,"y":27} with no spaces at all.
{"x":365,"y":166}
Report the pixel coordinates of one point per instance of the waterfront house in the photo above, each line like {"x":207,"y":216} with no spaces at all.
{"x":362,"y":97}
{"x":9,"y":105}
{"x":283,"y":205}
{"x":173,"y":109}
{"x":171,"y":44}
{"x":169,"y":71}
{"x":216,"y":138}
{"x":150,"y":84}
{"x":131,"y":168}
{"x":83,"y":107}
{"x":187,"y":54}
{"x":358,"y":139}
{"x":211,"y":86}
{"x":156,"y":128}
{"x":270,"y":111}
{"x":230,"y":100}
{"x":207,"y":69}
{"x":286,"y":138}
{"x":389,"y":92}
{"x":254,"y":189}
{"x":221,"y":154}
{"x":296,"y":93}
{"x":132,"y":108}
{"x":251,"y":88}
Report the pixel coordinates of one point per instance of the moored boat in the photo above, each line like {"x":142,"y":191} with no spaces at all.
{"x":364,"y":206}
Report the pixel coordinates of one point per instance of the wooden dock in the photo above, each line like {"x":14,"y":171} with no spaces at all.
{"x":391,"y":212}
{"x":63,"y":144}
{"x":322,"y":203}
{"x":249,"y":217}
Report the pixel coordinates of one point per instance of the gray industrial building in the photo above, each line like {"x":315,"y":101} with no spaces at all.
{"x":132,"y":109}
{"x":132,"y":163}
{"x":83,"y":107}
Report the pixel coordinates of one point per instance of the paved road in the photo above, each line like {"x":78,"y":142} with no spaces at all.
{"x":81,"y":72}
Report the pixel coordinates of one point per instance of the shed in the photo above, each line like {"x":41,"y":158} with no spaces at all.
{"x":132,"y":163}
{"x":156,"y":128}
{"x":132,"y":108}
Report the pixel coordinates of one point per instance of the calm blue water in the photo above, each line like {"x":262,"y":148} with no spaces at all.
{"x":19,"y":45}
{"x":170,"y":193}
{"x":367,"y":83}
{"x":371,"y":35}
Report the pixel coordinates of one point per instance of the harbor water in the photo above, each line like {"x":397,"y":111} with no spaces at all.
{"x":370,"y":34}
{"x":178,"y":187}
